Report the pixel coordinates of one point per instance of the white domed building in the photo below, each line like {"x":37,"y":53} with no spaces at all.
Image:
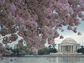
{"x":68,"y":46}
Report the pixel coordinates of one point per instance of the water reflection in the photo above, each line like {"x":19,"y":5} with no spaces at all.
{"x":66,"y":59}
{"x":43,"y":60}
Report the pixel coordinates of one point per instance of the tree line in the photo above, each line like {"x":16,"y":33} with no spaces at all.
{"x":19,"y":51}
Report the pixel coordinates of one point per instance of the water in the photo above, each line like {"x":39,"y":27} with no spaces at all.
{"x":43,"y":60}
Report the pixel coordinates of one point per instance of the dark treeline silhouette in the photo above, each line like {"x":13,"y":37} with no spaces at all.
{"x":81,"y":50}
{"x":48,"y":50}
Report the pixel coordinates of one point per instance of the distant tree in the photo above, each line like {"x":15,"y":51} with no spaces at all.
{"x":52,"y":48}
{"x":41,"y":52}
{"x":16,"y":46}
{"x":25,"y":48}
{"x":49,"y":46}
{"x":7,"y":46}
{"x":46,"y":50}
{"x":81,"y":50}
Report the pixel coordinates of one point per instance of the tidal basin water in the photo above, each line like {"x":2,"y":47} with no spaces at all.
{"x":42,"y":60}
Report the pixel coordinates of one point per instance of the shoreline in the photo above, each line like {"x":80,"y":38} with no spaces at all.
{"x":47,"y":56}
{"x":54,"y":56}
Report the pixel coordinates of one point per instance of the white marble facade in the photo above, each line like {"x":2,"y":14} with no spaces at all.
{"x":68,"y":45}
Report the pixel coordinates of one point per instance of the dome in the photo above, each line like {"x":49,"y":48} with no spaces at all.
{"x":69,"y":40}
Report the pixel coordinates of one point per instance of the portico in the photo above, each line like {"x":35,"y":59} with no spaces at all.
{"x":66,"y":48}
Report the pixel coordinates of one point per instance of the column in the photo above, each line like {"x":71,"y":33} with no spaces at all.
{"x":58,"y":47}
{"x":68,"y":48}
{"x":76,"y":48}
{"x":61,"y":48}
{"x":64,"y":49}
{"x":72,"y":48}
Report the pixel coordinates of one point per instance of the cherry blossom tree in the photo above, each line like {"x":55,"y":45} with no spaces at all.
{"x":37,"y":21}
{"x":4,"y":51}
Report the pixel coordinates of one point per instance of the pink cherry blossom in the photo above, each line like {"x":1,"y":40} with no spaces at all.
{"x":69,"y":28}
{"x":61,"y":37}
{"x":45,"y":29}
{"x":75,"y":29}
{"x":56,"y":34}
{"x":23,"y":27}
{"x":49,"y":11}
{"x":62,"y":30}
{"x":20,"y":45}
{"x":34,"y":50}
{"x":34,"y":24}
{"x":83,"y":19}
{"x":45,"y":21}
{"x":79,"y":33}
{"x":51,"y":41}
{"x":80,"y":14}
{"x":38,"y":21}
{"x":20,"y":41}
{"x":13,"y":37}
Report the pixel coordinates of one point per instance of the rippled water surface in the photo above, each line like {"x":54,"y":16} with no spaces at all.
{"x":42,"y":60}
